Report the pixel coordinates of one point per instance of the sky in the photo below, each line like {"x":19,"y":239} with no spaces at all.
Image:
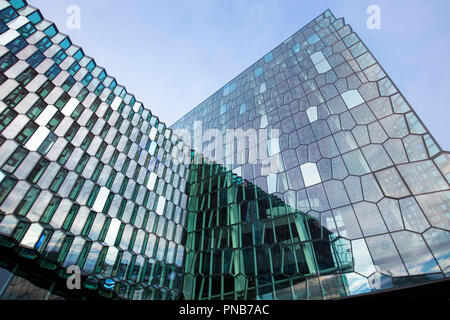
{"x":174,"y":54}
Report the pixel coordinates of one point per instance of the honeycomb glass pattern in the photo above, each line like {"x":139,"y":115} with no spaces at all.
{"x":89,"y":177}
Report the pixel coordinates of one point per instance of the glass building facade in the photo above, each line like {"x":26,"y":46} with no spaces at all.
{"x":356,"y":169}
{"x":357,"y":201}
{"x":87,"y":173}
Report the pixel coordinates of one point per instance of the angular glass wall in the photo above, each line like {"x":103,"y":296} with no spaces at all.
{"x":348,"y":194}
{"x":87,"y":173}
{"x":243,"y":243}
{"x":352,"y":154}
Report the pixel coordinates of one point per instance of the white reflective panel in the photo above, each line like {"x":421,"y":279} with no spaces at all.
{"x":80,"y":220}
{"x":262,"y":87}
{"x":61,"y":213}
{"x":273,"y":146}
{"x":101,"y":199}
{"x":46,"y":115}
{"x":264,"y":121}
{"x":150,"y":245}
{"x":8,"y":225}
{"x":110,"y":260}
{"x":74,"y":252}
{"x":4,"y":4}
{"x":18,"y":22}
{"x":310,"y":174}
{"x":8,"y":36}
{"x":92,"y":257}
{"x":96,"y":227}
{"x":9,"y":85}
{"x":272,"y":183}
{"x":317,"y":57}
{"x":153,"y":133}
{"x":170,"y":252}
{"x":63,"y":126}
{"x":356,"y":283}
{"x":161,"y":205}
{"x":37,"y":138}
{"x":323,"y":66}
{"x":38,"y":207}
{"x":70,"y":106}
{"x":112,"y":232}
{"x":312,"y":114}
{"x":161,"y":249}
{"x":320,"y":62}
{"x":15,"y":126}
{"x":136,"y":106}
{"x":151,"y":181}
{"x":44,"y":66}
{"x":116,"y":103}
{"x":180,"y":255}
{"x":32,"y":235}
{"x":352,"y":98}
{"x":363,"y":261}
{"x":13,"y":72}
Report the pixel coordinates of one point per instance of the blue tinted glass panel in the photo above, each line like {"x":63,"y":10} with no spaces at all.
{"x":87,"y":79}
{"x":65,"y":43}
{"x":223,"y":109}
{"x":79,"y":55}
{"x":313,"y":39}
{"x":226,"y":90}
{"x":36,"y":59}
{"x":91,"y":65}
{"x":51,"y":31}
{"x":243,"y":108}
{"x":27,"y":30}
{"x":35,"y":17}
{"x":60,"y":56}
{"x":74,"y":68}
{"x":44,"y":44}
{"x":102,"y":75}
{"x":6,"y":61}
{"x":8,"y":14}
{"x":17,"y":4}
{"x":3,"y":27}
{"x":268,"y":57}
{"x":113,"y":85}
{"x":258,"y":71}
{"x":53,"y":72}
{"x":17,"y":44}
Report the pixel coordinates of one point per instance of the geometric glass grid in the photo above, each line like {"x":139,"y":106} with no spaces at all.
{"x":90,"y":177}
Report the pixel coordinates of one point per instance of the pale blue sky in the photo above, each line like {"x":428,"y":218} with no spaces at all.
{"x":174,"y":54}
